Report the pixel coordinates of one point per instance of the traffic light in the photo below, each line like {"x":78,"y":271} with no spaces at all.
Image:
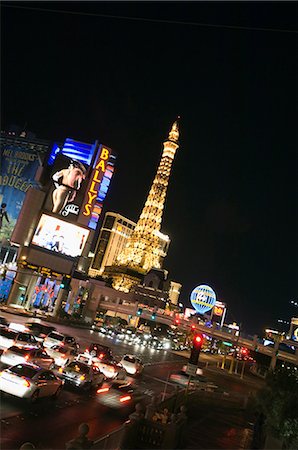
{"x":196,"y":349}
{"x":65,"y":283}
{"x":4,"y":274}
{"x":153,"y":316}
{"x":139,"y":311}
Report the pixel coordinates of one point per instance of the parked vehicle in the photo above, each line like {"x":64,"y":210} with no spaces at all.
{"x":21,"y":355}
{"x":29,"y":381}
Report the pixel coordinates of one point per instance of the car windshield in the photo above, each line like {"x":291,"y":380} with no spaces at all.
{"x":19,"y":351}
{"x":58,"y":337}
{"x":8,"y":334}
{"x":79,"y":367}
{"x":130,"y":359}
{"x":24,"y":371}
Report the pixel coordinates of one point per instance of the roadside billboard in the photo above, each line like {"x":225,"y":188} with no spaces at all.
{"x":18,"y":168}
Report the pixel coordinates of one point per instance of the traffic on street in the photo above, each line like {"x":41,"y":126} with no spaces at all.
{"x":96,"y":379}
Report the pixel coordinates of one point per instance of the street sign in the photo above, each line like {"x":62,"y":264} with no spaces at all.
{"x":191,"y":369}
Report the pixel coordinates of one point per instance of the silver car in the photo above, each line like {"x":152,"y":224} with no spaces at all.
{"x":29,"y":381}
{"x":18,"y":355}
{"x":81,"y":375}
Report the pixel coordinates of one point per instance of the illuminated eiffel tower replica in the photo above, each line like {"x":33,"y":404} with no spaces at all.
{"x":143,"y":250}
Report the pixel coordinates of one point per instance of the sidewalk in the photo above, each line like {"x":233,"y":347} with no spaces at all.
{"x":43,"y":316}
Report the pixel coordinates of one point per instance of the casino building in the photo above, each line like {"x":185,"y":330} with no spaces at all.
{"x":57,"y":222}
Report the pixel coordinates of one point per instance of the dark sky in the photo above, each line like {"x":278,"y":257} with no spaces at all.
{"x":231,"y":208}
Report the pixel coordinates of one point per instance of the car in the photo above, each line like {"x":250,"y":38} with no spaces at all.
{"x":81,"y":375}
{"x":29,"y":381}
{"x":62,"y":354}
{"x":118,"y":394}
{"x":132,"y":364}
{"x":109,"y":367}
{"x":9,"y":337}
{"x":198,"y":382}
{"x":98,"y":351}
{"x":3,"y":322}
{"x":55,"y":338}
{"x":39,"y":330}
{"x":18,"y":355}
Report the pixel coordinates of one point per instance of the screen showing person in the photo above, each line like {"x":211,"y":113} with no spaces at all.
{"x":60,"y":237}
{"x":67,"y":182}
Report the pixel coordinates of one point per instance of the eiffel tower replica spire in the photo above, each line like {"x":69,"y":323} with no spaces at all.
{"x":142,"y":251}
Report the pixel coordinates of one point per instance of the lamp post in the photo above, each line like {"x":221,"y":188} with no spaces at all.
{"x":233,"y":356}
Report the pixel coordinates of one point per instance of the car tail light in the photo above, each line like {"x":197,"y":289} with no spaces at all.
{"x":101,"y":390}
{"x":82,"y":377}
{"x":27,"y":357}
{"x":63,"y":355}
{"x":25,"y":382}
{"x":125,"y":398}
{"x":86,"y":350}
{"x":101,"y":356}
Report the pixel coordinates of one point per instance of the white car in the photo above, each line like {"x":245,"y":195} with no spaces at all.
{"x":18,"y":355}
{"x":106,"y":365}
{"x":8,"y":338}
{"x":29,"y":381}
{"x":56,"y":338}
{"x":81,"y":375}
{"x":132,"y":364}
{"x":62,"y":355}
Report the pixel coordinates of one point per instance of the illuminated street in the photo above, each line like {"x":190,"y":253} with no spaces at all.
{"x":21,"y":421}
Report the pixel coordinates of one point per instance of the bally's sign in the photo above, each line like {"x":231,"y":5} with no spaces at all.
{"x":97,"y":174}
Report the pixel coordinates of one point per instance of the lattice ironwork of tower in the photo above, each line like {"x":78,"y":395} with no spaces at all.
{"x":142,"y":251}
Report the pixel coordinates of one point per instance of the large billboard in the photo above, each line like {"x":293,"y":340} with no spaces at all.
{"x":60,"y":237}
{"x":67,"y":187}
{"x":19,"y":164}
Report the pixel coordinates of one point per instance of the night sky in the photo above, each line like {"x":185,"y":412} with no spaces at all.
{"x":231,"y":209}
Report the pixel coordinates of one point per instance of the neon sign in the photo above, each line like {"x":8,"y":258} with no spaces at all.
{"x":203,"y":298}
{"x":97,"y":174}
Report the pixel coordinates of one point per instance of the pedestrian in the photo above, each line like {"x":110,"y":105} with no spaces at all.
{"x":81,"y":442}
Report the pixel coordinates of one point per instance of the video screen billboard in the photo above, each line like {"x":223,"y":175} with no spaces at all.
{"x":67,"y":187}
{"x":60,"y":236}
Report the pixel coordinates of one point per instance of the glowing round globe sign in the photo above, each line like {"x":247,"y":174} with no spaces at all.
{"x":203,"y":298}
